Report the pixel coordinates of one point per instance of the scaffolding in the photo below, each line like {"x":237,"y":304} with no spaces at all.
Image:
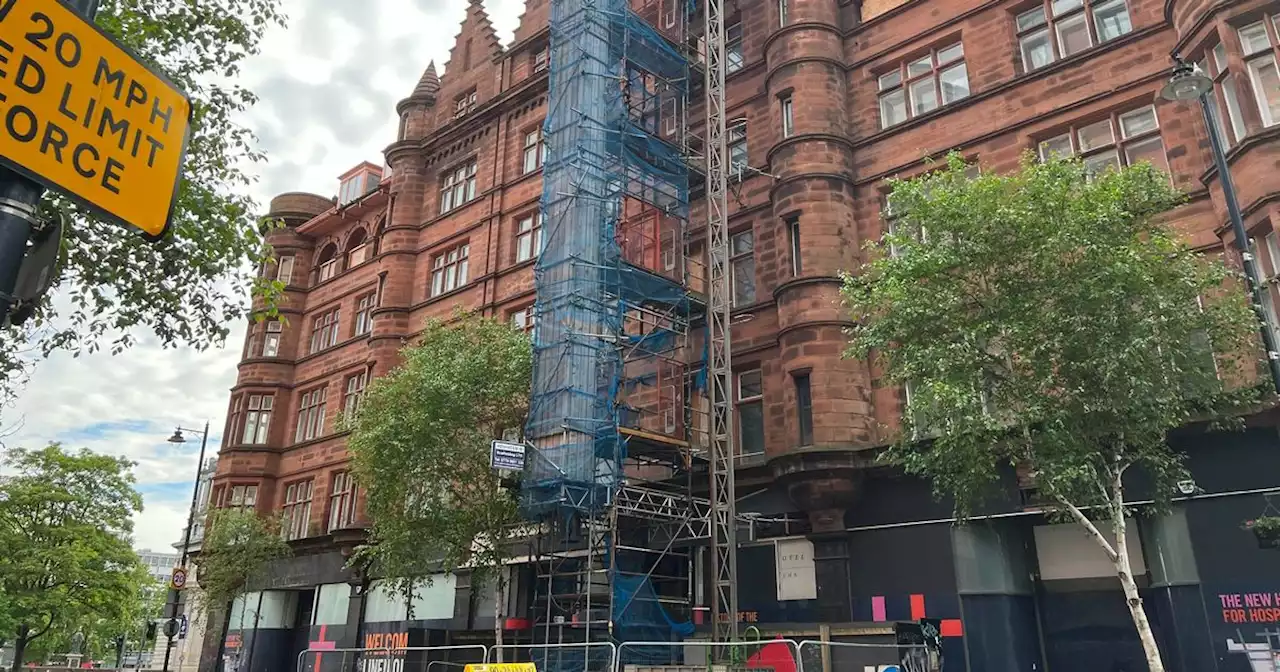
{"x":620,"y":421}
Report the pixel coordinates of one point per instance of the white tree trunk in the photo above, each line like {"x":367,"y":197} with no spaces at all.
{"x":1134,"y":602}
{"x":499,"y":600}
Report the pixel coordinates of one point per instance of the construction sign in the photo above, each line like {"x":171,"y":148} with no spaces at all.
{"x":80,"y":114}
{"x":501,"y":667}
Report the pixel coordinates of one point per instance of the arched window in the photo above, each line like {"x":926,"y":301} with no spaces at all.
{"x":359,"y":248}
{"x":327,"y":263}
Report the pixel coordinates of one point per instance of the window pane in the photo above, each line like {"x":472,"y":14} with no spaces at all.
{"x":893,"y":108}
{"x":1266,"y":87}
{"x":1218,"y":128}
{"x":1059,"y":146}
{"x":1220,"y":57}
{"x":955,"y":83}
{"x":1234,"y":115}
{"x":742,"y":243}
{"x":1253,"y":38}
{"x":750,"y":384}
{"x":1095,"y":135}
{"x":1111,"y":20}
{"x":1037,"y":52}
{"x":951,"y":53}
{"x":1061,"y":7}
{"x":751,"y":428}
{"x":1138,"y":122}
{"x":1073,"y":35}
{"x":920,"y":66}
{"x":1099,"y":163}
{"x":1031,"y":19}
{"x":1151,"y":150}
{"x":924,"y":96}
{"x":744,"y":281}
{"x":890,"y":80}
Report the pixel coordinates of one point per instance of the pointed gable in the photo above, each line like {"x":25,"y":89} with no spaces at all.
{"x":472,"y":62}
{"x":536,"y":16}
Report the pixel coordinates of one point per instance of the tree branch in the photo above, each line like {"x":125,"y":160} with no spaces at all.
{"x":53,"y":615}
{"x":1090,"y":528}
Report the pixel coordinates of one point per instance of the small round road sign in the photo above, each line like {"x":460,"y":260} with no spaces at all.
{"x":178,"y":580}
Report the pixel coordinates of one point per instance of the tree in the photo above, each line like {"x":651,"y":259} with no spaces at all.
{"x":1050,"y":318}
{"x":65,"y":525}
{"x":238,"y":543}
{"x":420,"y":445}
{"x":189,"y":288}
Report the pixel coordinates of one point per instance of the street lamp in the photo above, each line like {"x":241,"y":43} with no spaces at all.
{"x":171,"y":603}
{"x":1188,"y":82}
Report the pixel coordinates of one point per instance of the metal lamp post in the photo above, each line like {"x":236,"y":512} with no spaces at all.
{"x":171,"y":604}
{"x":1189,"y":83}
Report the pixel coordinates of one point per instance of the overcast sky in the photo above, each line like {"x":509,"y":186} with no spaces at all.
{"x":328,"y":85}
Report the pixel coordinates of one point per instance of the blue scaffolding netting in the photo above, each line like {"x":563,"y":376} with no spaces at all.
{"x":614,"y":83}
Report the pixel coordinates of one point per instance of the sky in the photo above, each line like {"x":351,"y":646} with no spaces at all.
{"x":327,"y":84}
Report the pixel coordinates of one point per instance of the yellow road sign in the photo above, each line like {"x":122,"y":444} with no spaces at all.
{"x":178,"y":578}
{"x":501,"y":667}
{"x":82,"y":115}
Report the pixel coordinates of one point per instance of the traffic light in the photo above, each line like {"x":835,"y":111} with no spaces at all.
{"x":151,"y":630}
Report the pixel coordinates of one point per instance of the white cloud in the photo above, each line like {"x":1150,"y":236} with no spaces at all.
{"x":327,"y":86}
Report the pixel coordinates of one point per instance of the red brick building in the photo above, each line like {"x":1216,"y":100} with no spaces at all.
{"x":827,"y":100}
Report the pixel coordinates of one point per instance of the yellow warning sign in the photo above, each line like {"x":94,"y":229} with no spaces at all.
{"x":84,"y":116}
{"x":501,"y":667}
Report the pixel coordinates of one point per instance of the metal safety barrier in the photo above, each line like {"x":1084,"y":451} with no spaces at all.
{"x":869,"y":656}
{"x":559,"y":657}
{"x":780,"y":654}
{"x":392,"y":659}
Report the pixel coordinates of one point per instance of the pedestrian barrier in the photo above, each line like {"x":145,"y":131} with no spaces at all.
{"x":876,"y":653}
{"x":753,"y":653}
{"x":393,"y":658}
{"x":576,"y":656}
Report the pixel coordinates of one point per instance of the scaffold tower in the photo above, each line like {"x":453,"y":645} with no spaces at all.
{"x":629,"y":410}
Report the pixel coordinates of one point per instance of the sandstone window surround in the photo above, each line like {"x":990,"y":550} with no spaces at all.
{"x":1259,"y":43}
{"x":529,"y":236}
{"x":311,"y":412}
{"x":535,"y":151}
{"x":324,"y":330}
{"x":787,"y":113}
{"x":734,"y":57}
{"x":736,"y":139}
{"x":364,"y":314}
{"x":271,"y":340}
{"x":257,"y":419}
{"x":284,"y":269}
{"x":297,"y":510}
{"x":1121,"y":139}
{"x":524,"y":319}
{"x":462,"y":105}
{"x":1061,"y":28}
{"x":923,"y":84}
{"x":750,"y":406}
{"x":804,"y":408}
{"x":354,"y":392}
{"x":238,"y":497}
{"x":458,"y":187}
{"x":742,"y":268}
{"x":342,"y":501}
{"x":449,"y":270}
{"x":1230,"y":129}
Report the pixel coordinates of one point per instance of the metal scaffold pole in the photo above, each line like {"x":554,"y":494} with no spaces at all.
{"x":724,"y":541}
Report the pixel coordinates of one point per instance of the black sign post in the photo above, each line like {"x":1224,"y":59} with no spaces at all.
{"x":19,"y":198}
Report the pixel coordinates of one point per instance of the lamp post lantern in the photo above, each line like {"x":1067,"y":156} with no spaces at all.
{"x":171,"y":603}
{"x":1188,"y":82}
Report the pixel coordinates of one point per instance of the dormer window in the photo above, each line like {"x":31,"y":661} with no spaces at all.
{"x":358,"y":185}
{"x":464,"y":104}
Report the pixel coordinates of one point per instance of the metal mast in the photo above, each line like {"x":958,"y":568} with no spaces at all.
{"x":724,"y":538}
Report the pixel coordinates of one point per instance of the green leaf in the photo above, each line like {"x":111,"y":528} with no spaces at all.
{"x":420,"y":445}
